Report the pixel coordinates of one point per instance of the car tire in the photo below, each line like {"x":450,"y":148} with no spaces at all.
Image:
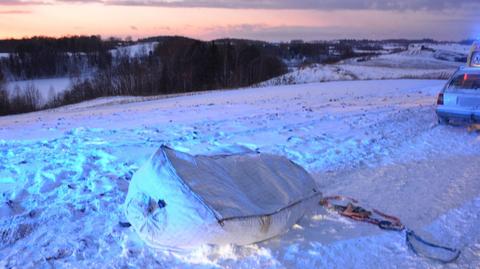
{"x":443,"y":121}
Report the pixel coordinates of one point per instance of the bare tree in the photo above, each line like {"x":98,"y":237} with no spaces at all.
{"x":51,"y":94}
{"x":32,"y":96}
{"x":25,"y":100}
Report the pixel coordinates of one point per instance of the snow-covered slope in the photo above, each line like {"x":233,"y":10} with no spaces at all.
{"x":422,"y":61}
{"x":417,"y":57}
{"x":64,"y":174}
{"x":451,"y":47}
{"x":140,"y":49}
{"x":46,"y":87}
{"x":338,"y":72}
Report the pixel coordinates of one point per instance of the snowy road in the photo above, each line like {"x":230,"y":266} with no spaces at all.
{"x":64,"y":174}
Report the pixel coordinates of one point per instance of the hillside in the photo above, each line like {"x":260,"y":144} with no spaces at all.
{"x":419,"y":61}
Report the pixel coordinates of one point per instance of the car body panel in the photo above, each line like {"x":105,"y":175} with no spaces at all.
{"x":458,"y":113}
{"x":461,"y":103}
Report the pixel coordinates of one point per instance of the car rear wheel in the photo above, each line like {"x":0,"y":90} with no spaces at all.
{"x":443,"y":121}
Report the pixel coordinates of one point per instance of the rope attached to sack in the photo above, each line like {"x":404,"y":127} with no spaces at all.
{"x":385,"y":222}
{"x":412,"y":235}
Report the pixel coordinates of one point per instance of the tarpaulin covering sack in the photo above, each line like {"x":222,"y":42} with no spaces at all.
{"x":177,"y":200}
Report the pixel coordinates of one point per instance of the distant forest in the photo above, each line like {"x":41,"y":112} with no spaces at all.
{"x":176,"y":65}
{"x":42,"y":57}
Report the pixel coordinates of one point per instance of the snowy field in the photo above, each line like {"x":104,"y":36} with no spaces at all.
{"x":355,"y":71}
{"x":47,"y":88}
{"x":434,"y":61}
{"x":64,"y":175}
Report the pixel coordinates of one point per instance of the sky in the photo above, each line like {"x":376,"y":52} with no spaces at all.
{"x":271,"y":20}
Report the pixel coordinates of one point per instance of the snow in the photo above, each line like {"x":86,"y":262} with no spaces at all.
{"x":44,"y":86}
{"x":61,"y":84}
{"x":65,"y":172}
{"x":353,"y":71}
{"x":435,"y":61}
{"x":136,"y":50}
{"x":451,"y":47}
{"x":414,"y":58}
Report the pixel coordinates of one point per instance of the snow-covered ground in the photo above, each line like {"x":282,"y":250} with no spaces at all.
{"x":47,"y":87}
{"x":451,"y":47}
{"x":420,"y":61}
{"x":417,"y":57}
{"x":64,"y":174}
{"x":349,"y":71}
{"x":140,"y":49}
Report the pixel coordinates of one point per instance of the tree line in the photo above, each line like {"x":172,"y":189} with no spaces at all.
{"x":39,"y":57}
{"x":176,"y":65}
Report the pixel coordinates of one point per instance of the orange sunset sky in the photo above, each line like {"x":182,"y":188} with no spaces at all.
{"x":265,"y":20}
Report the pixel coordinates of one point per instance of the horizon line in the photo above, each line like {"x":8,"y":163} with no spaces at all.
{"x":139,"y":39}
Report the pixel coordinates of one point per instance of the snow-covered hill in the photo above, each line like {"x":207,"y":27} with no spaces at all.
{"x":139,"y":49}
{"x":338,"y":72}
{"x":421,"y":61}
{"x":64,"y":174}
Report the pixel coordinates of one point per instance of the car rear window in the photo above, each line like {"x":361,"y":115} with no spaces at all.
{"x":465,"y":82}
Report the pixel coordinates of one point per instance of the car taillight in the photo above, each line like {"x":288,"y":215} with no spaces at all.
{"x":440,"y":99}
